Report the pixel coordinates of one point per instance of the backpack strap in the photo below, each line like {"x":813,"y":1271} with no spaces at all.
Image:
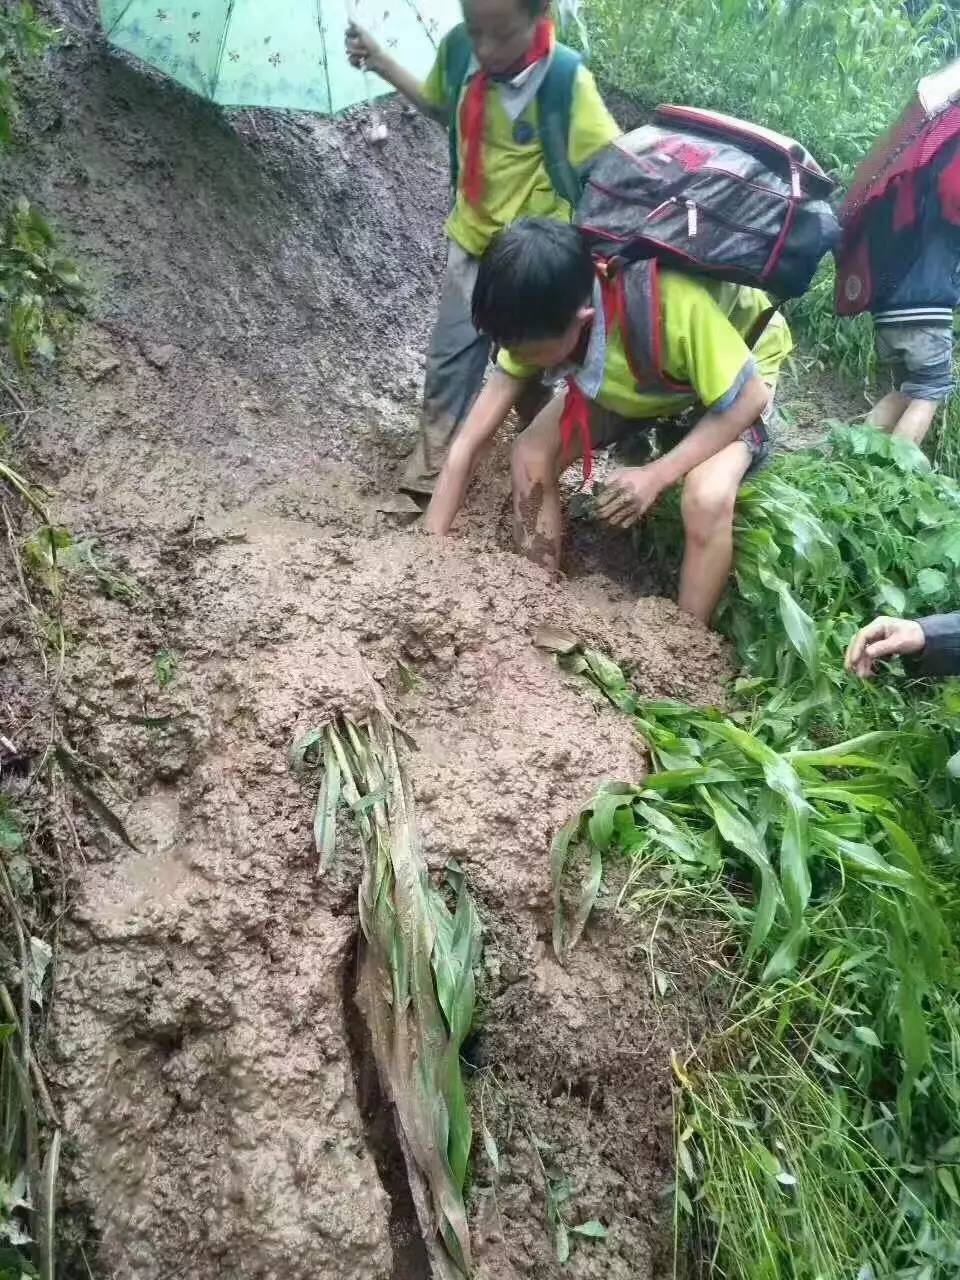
{"x":457,"y":54}
{"x":759,"y":326}
{"x":555,"y":109}
{"x":641,"y":325}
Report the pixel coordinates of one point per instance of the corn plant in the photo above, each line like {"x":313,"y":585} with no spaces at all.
{"x":416,"y":986}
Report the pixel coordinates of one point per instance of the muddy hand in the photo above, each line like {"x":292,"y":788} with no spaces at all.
{"x":362,"y":50}
{"x":628,"y":495}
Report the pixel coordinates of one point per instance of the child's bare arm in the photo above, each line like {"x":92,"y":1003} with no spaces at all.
{"x":630,"y":493}
{"x":488,"y":414}
{"x":364,"y":52}
{"x":714,"y":432}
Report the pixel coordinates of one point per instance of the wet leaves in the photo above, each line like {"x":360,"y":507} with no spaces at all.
{"x":416,"y":987}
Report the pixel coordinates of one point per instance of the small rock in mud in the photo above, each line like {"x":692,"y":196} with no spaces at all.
{"x":160,"y":356}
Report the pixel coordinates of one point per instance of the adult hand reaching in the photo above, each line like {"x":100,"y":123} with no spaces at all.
{"x":883,"y":638}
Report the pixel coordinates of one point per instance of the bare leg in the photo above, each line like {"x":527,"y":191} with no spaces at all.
{"x":709,"y":496}
{"x":886,"y":413}
{"x":915,"y":421}
{"x":538,"y":460}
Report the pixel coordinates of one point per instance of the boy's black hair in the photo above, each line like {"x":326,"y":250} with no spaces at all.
{"x":533,"y":279}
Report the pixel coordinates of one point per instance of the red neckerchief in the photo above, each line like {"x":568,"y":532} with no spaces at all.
{"x":473,"y":110}
{"x":576,"y":409}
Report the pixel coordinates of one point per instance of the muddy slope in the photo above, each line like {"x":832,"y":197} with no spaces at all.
{"x":225,"y":423}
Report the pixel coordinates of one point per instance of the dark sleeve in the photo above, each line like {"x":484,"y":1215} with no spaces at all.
{"x":941,"y":653}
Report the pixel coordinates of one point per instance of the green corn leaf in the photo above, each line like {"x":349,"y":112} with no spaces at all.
{"x":945,"y":1177}
{"x":867,"y":1035}
{"x":605,"y":806}
{"x":588,"y":898}
{"x":778,"y":772}
{"x":736,"y":829}
{"x":561,"y":1241}
{"x":800,"y":630}
{"x":592,"y":1230}
{"x":863,"y":861}
{"x":682,"y":779}
{"x":48,"y":1209}
{"x":794,"y":872}
{"x":851,"y":747}
{"x":785,"y":959}
{"x":559,"y":852}
{"x":305,"y":746}
{"x":673,"y":836}
{"x":325,"y":816}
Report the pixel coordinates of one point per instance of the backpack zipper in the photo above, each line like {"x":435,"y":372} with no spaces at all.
{"x":693,"y":212}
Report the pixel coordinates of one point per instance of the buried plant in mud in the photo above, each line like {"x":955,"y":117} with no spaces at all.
{"x":416,"y":984}
{"x":819,"y":1122}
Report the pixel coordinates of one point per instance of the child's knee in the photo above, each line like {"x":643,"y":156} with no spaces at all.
{"x":707,"y":505}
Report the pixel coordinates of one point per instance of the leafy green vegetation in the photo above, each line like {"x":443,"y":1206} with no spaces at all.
{"x":166,"y":666}
{"x":22,"y":39}
{"x":819,"y":1130}
{"x":28,"y":1167}
{"x":36,"y":281}
{"x":832,"y":76}
{"x":52,"y":552}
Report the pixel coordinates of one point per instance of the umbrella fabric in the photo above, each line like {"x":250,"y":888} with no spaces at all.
{"x":290,"y":55}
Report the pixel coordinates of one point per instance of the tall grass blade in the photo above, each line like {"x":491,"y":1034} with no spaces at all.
{"x":48,"y":1209}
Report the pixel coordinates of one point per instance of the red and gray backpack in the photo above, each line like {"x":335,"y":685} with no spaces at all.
{"x":916,"y":163}
{"x":708,"y":194}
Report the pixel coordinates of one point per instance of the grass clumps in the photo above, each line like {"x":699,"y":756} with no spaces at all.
{"x":833,"y":76}
{"x":819,"y":1122}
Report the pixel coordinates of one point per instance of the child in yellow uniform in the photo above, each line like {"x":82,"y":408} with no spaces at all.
{"x":525,"y":118}
{"x":538,"y":296}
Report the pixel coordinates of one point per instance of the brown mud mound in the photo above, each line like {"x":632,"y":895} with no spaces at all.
{"x":202,"y":1032}
{"x":224,"y":424}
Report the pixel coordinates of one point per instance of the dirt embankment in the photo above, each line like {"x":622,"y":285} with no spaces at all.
{"x":225,"y":422}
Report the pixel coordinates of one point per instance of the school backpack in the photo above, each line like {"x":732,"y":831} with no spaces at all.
{"x":554,"y":108}
{"x":704,"y":193}
{"x":917,"y":160}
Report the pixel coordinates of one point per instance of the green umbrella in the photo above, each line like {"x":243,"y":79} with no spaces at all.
{"x":268,"y":53}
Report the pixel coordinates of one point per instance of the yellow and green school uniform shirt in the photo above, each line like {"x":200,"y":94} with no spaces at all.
{"x":517,"y":185}
{"x":704,"y":327}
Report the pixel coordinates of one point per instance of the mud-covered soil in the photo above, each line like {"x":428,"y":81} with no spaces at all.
{"x":226,"y":422}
